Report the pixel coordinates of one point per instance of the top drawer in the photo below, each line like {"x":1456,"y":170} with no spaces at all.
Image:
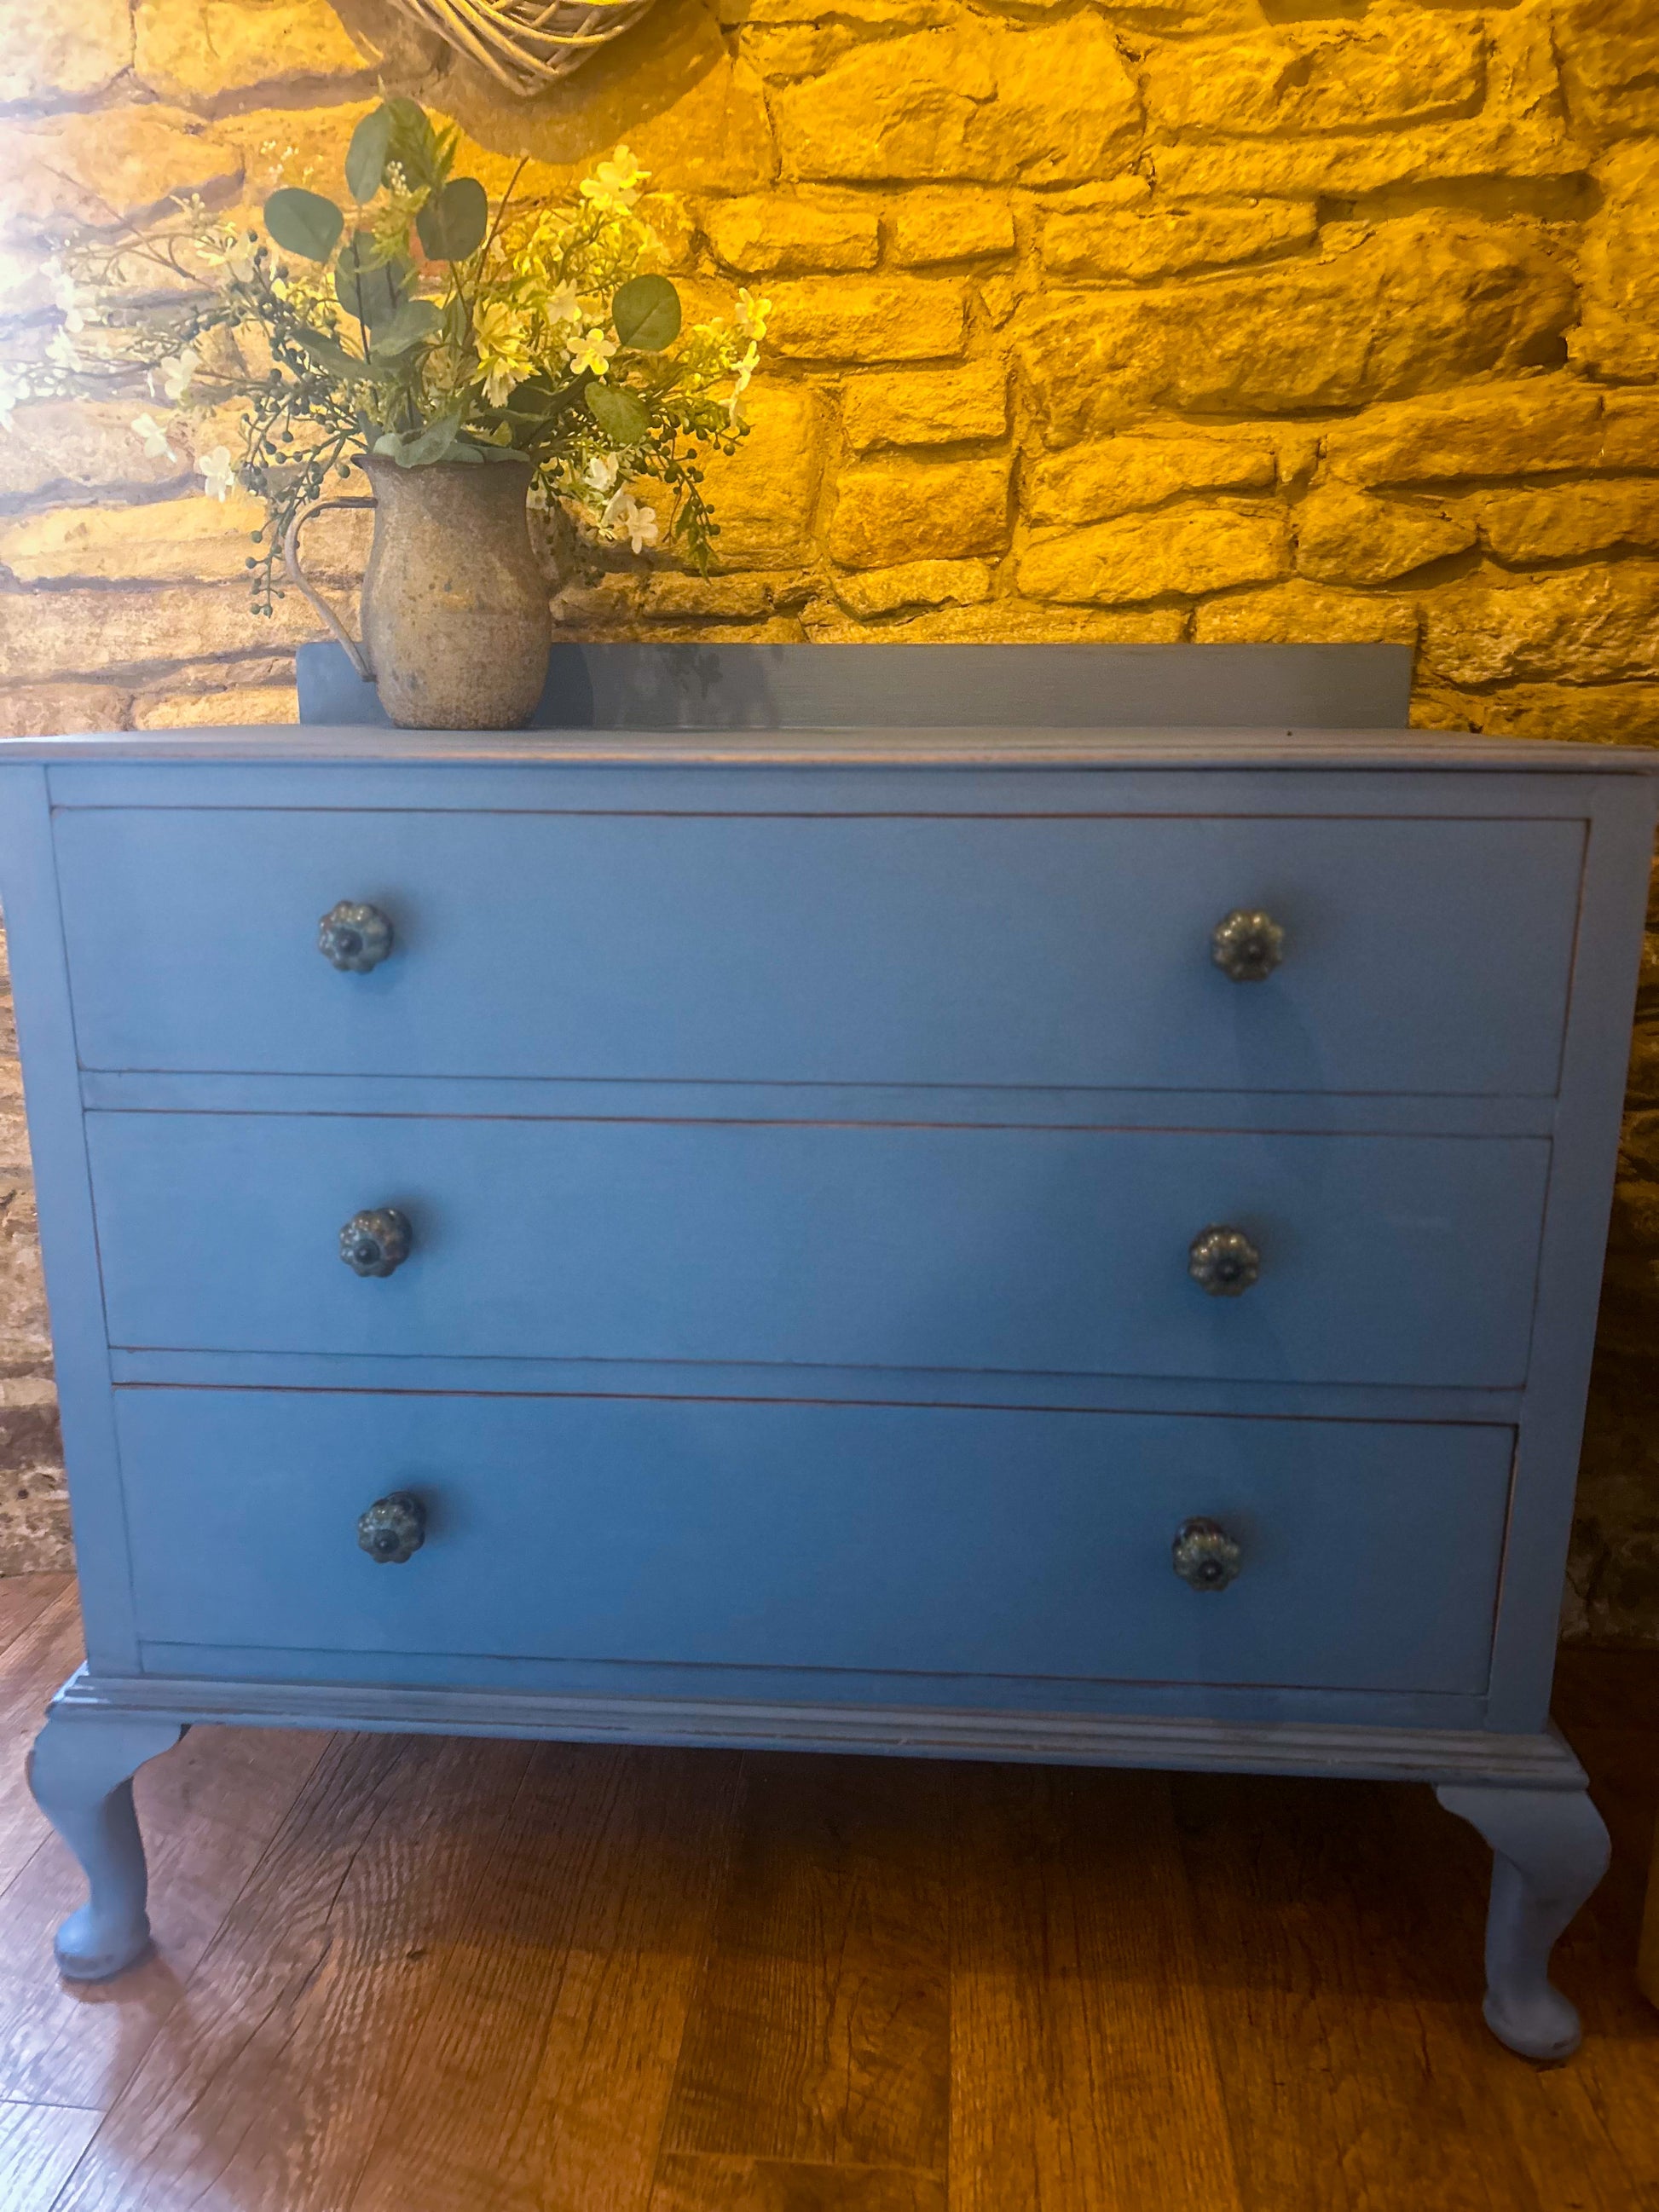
{"x":1419,"y":954}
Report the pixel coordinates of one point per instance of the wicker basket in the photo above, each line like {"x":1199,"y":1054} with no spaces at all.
{"x":527,"y":44}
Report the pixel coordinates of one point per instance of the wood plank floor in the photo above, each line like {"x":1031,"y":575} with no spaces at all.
{"x":421,"y":1975}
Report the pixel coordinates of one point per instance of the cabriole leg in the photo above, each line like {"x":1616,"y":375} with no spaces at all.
{"x":1549,"y":1850}
{"x":81,"y":1771}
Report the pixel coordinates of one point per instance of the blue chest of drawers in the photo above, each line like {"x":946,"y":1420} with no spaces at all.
{"x":1013,"y":1241}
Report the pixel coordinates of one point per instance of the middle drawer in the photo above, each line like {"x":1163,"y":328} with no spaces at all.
{"x":1389,"y":1259}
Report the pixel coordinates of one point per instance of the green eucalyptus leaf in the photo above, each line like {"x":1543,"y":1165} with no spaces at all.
{"x":365,"y":157}
{"x":415,"y":319}
{"x":304,"y":222}
{"x":415,"y":146}
{"x":434,"y":443}
{"x":369,"y":288}
{"x":328,"y":353}
{"x":452,"y":225}
{"x":646,"y":312}
{"x":619,"y":413}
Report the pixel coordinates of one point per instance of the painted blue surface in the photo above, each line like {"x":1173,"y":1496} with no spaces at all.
{"x":1384,"y":1259}
{"x":850,"y":1536}
{"x":665,"y":1068}
{"x":1422,"y":955}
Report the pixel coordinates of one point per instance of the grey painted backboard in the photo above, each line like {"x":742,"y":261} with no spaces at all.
{"x":783,"y":687}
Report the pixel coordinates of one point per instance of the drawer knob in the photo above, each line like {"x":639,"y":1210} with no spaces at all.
{"x":376,"y":1243}
{"x":1247,"y":946}
{"x":393,"y":1529}
{"x":1203,"y":1555}
{"x":355,"y":938}
{"x":1222,"y":1261}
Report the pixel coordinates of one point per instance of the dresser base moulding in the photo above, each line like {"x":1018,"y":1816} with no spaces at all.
{"x":1524,"y":1794}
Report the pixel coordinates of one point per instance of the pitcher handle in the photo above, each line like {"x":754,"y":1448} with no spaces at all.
{"x":308,"y":589}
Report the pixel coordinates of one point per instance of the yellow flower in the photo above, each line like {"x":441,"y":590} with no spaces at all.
{"x":591,"y":352}
{"x":616,"y":183}
{"x":750,"y":315}
{"x":503,"y":349}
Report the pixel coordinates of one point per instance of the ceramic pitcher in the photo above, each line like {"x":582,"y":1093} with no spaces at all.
{"x":455,"y":620}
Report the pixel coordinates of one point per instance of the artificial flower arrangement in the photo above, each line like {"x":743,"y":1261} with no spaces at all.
{"x":422,"y":327}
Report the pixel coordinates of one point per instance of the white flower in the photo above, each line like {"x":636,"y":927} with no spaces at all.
{"x":154,"y":437}
{"x":563,"y":304}
{"x":64,"y":295}
{"x":741,"y":377}
{"x":749,"y":314}
{"x":591,"y":352}
{"x":177,"y":373}
{"x":10,"y":393}
{"x":61,"y":350}
{"x":625,"y":517}
{"x":220,"y":472}
{"x":601,"y":471}
{"x":616,"y":183}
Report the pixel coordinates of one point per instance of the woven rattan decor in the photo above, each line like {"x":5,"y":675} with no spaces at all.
{"x":527,"y":44}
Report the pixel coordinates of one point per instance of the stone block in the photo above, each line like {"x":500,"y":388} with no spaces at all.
{"x":926,"y":407}
{"x":1002,"y":622}
{"x":1418,"y":302}
{"x":100,"y":172}
{"x":1303,"y":613}
{"x":772,"y":234}
{"x":893,"y":512}
{"x":174,"y":541}
{"x":1556,"y":522}
{"x":1609,"y":53}
{"x":1619,"y":270}
{"x":59,"y":710}
{"x":126,"y":634}
{"x":1349,"y":537}
{"x":56,"y":49}
{"x":1393,"y":66}
{"x":79,"y":449}
{"x":1119,"y":476}
{"x":1630,"y":430}
{"x":1588,"y":714}
{"x":238,"y":707}
{"x":1527,"y":427}
{"x":670,"y":598}
{"x":1170,"y":241}
{"x":1190,"y":548}
{"x":209,"y":54}
{"x":883,"y":319}
{"x":1010,"y":622}
{"x":1521,"y":130}
{"x":914,"y":584}
{"x":982,"y":101}
{"x":1573,"y":625}
{"x":936,"y":227}
{"x":863,"y":16}
{"x":763,"y":496}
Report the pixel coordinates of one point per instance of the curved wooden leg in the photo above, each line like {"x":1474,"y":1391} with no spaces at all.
{"x":81,"y":1771}
{"x":1549,"y":1850}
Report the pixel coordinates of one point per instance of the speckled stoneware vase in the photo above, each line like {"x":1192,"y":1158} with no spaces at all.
{"x":456,"y":625}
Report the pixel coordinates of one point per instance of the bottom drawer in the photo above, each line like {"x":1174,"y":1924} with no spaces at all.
{"x":925,"y":1539}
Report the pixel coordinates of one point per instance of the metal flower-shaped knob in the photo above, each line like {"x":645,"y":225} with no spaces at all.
{"x":1203,"y":1555}
{"x":376,"y":1243}
{"x":393,"y":1529}
{"x":1247,"y":946}
{"x":355,"y":937}
{"x":1222,"y":1261}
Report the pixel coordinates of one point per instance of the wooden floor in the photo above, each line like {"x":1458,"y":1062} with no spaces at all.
{"x":418,"y":1975}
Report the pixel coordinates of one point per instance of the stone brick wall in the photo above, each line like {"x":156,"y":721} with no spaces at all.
{"x":1278,"y":320}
